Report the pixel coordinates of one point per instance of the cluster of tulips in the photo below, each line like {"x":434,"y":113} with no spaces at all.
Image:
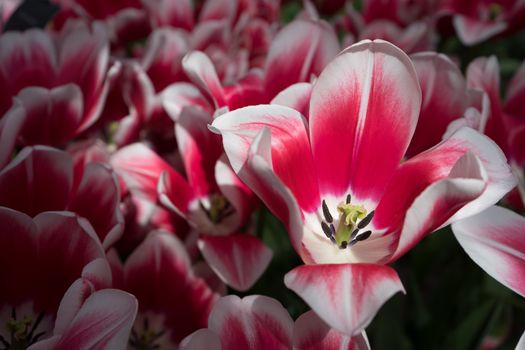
{"x":144,"y":143}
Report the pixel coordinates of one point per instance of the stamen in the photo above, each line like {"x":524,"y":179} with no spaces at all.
{"x":326,"y":229}
{"x":332,"y":239}
{"x":348,"y":199}
{"x":326,"y":213}
{"x":343,"y":245}
{"x":332,"y":228}
{"x":363,"y":223}
{"x":363,"y":236}
{"x":354,"y":233}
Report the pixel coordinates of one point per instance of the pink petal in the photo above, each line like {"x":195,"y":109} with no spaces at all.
{"x":289,"y":145}
{"x":83,"y":60}
{"x":98,"y":200}
{"x":363,"y":113}
{"x":158,"y":273}
{"x":10,"y":126}
{"x":299,"y":50}
{"x":445,"y":99}
{"x":516,"y":93}
{"x":218,"y":10}
{"x":53,"y":116}
{"x":311,"y":333}
{"x":201,"y":71}
{"x":103,"y":322}
{"x":239,"y":259}
{"x":472,"y":31}
{"x":141,"y":168}
{"x":201,"y":339}
{"x":494,"y":240}
{"x":254,"y":322}
{"x":346,"y":296}
{"x":138,"y":91}
{"x":78,"y":245}
{"x":179,"y":95}
{"x":162,"y":56}
{"x":37,"y":180}
{"x":18,"y":250}
{"x":236,"y":192}
{"x":168,"y":13}
{"x":26,"y":59}
{"x":200,"y":149}
{"x":417,"y":174}
{"x":296,"y":96}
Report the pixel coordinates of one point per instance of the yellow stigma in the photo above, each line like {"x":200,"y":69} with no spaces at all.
{"x":348,"y":220}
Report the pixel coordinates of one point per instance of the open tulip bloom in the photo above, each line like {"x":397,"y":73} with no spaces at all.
{"x":350,"y":201}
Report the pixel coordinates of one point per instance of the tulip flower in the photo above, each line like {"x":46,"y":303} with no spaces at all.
{"x":338,"y":182}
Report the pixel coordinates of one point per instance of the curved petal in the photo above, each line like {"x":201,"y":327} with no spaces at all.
{"x":53,"y":116}
{"x":290,"y":156}
{"x":97,"y":198}
{"x":301,"y":49}
{"x":199,"y":148}
{"x":296,"y":96}
{"x":10,"y":126}
{"x":345,"y":296}
{"x":494,"y":239}
{"x":179,"y":95}
{"x":168,"y":13}
{"x":254,"y":322}
{"x":103,"y":322}
{"x":516,"y":93}
{"x":78,"y":245}
{"x":472,"y":31}
{"x":158,"y":273}
{"x":445,"y":98}
{"x":38,"y":179}
{"x":521,"y":343}
{"x":418,"y":173}
{"x":311,"y":333}
{"x":363,"y":112}
{"x":201,"y":71}
{"x":201,"y":339}
{"x":239,"y":259}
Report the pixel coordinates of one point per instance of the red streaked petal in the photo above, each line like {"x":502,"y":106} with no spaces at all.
{"x":200,"y":69}
{"x":10,"y":125}
{"x":38,"y":179}
{"x":254,"y":322}
{"x":516,"y":93}
{"x":239,"y":259}
{"x":346,"y":296}
{"x":199,"y":148}
{"x":179,"y":95}
{"x":158,"y":273}
{"x":168,"y":13}
{"x":363,"y":112}
{"x":103,"y":322}
{"x":494,"y":240}
{"x":301,"y":49}
{"x":296,"y":96}
{"x":445,"y":98}
{"x":311,"y":333}
{"x":98,"y":200}
{"x":290,"y":157}
{"x":415,"y":175}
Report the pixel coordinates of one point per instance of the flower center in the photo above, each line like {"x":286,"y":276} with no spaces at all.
{"x":21,"y":331}
{"x":146,"y":338}
{"x":217,"y":209}
{"x":352,"y":219}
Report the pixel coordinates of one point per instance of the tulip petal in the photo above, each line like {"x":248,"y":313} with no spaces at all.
{"x":158,"y":273}
{"x":345,"y":296}
{"x":103,"y":322}
{"x":10,"y":126}
{"x":38,"y":179}
{"x":445,"y":99}
{"x":201,"y":339}
{"x":201,"y":71}
{"x":179,"y":95}
{"x":254,"y":322}
{"x":494,"y":239}
{"x":516,"y":93}
{"x":301,"y":49}
{"x":363,"y":112}
{"x":296,"y":96}
{"x":290,"y":157}
{"x":472,"y":31}
{"x":311,"y":333}
{"x":239,"y":260}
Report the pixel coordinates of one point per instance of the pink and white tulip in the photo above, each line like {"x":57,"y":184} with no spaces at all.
{"x":337,"y":182}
